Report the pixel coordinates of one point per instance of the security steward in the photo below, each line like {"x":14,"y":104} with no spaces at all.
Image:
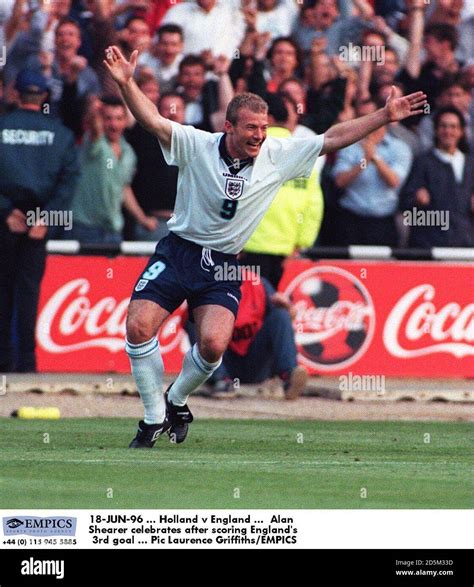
{"x":38,"y":170}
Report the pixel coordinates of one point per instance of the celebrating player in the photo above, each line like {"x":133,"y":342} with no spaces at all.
{"x":226,"y":182}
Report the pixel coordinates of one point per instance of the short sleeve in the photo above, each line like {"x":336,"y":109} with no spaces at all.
{"x":186,"y":143}
{"x":296,"y":157}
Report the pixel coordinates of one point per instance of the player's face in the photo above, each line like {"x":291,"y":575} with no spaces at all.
{"x":247,"y":135}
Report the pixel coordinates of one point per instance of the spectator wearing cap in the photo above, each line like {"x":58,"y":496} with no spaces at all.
{"x":371,"y":173}
{"x":442,"y":181}
{"x":108,"y":165}
{"x":38,"y":171}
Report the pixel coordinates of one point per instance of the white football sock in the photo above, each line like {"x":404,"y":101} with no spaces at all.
{"x":195,"y":372}
{"x":147,"y":370}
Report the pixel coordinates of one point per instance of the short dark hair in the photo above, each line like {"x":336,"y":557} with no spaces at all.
{"x":449,"y":81}
{"x":171,"y":95}
{"x":289,"y":98}
{"x":133,"y":17}
{"x":443,"y":32}
{"x":171,"y":28}
{"x":277,"y":108}
{"x":191,"y":60}
{"x":247,"y":100}
{"x":111,"y":100}
{"x":68,"y":20}
{"x":463,"y":144}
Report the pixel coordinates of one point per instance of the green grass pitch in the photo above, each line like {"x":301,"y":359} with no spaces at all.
{"x":237,"y":464}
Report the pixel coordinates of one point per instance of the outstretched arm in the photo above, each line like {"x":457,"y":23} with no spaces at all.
{"x":346,"y":133}
{"x":140,"y":106}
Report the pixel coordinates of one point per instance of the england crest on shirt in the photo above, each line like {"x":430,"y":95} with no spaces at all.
{"x":234,"y":188}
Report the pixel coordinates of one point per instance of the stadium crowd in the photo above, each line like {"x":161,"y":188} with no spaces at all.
{"x":327,"y":60}
{"x":316,"y":62}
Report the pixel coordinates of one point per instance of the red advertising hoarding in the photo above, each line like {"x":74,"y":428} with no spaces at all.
{"x":391,"y":318}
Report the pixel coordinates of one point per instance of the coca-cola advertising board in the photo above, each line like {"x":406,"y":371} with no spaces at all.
{"x":391,"y":318}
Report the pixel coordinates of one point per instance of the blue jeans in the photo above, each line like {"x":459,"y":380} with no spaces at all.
{"x":92,"y":234}
{"x":272,"y":352}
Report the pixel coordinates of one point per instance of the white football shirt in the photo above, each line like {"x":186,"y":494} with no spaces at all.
{"x":217,"y":209}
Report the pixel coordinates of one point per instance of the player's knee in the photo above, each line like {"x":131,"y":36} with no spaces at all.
{"x":211,"y":349}
{"x":139,"y":329}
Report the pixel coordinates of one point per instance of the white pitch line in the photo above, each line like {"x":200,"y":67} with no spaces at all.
{"x":227,"y":462}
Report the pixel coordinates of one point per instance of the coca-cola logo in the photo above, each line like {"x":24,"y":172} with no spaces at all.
{"x":420,"y":325}
{"x":71,"y":321}
{"x":335,"y":317}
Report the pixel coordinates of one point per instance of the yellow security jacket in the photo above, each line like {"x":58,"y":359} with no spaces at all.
{"x":294,"y":217}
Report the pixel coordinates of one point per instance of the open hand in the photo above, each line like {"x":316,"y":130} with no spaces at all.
{"x":400,"y":108}
{"x":120,"y":69}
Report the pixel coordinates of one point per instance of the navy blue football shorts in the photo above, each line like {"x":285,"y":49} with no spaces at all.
{"x":181,"y":270}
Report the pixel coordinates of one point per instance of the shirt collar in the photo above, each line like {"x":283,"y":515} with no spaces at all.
{"x":229,"y":160}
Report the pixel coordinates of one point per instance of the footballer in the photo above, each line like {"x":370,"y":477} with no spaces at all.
{"x":226,"y":182}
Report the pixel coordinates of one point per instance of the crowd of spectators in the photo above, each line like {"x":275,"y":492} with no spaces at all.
{"x":328,"y":61}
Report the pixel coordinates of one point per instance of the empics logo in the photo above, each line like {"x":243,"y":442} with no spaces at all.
{"x":42,"y":567}
{"x":14,"y":523}
{"x":38,"y":526}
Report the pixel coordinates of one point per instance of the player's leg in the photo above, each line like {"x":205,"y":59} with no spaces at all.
{"x":143,"y":322}
{"x":214,"y":326}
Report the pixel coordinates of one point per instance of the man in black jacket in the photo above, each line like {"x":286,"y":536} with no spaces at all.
{"x":438,"y":197}
{"x":38,"y":169}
